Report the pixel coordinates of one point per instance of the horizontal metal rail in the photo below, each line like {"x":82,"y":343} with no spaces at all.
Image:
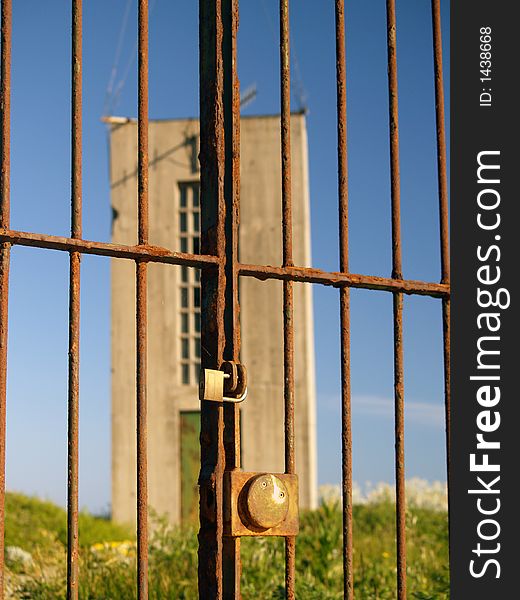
{"x":142,"y":252}
{"x":339,"y":280}
{"x":158,"y":254}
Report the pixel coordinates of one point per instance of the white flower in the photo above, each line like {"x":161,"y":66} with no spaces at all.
{"x":14,"y":554}
{"x":420,"y":493}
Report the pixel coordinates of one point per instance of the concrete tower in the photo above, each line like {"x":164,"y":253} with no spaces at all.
{"x":174,"y":313}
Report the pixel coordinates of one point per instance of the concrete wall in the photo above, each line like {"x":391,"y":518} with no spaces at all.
{"x":172,"y":160}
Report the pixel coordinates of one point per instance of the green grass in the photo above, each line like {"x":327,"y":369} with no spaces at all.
{"x":39,"y":528}
{"x":31,"y":523}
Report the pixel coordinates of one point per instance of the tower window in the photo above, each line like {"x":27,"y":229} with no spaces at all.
{"x":189,"y":232}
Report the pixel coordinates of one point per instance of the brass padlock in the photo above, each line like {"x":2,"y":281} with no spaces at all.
{"x":212,"y":385}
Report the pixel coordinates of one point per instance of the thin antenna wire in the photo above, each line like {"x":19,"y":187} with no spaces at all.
{"x":129,"y":66}
{"x":270,"y":22}
{"x":297,"y":82}
{"x":298,"y":89}
{"x":117,"y":56}
{"x":248,"y":96}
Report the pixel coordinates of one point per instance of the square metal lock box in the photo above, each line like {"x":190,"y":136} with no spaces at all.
{"x":259,"y":504}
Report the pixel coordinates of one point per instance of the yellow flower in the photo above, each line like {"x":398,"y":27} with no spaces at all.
{"x":126,"y":548}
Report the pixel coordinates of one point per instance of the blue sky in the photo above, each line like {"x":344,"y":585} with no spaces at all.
{"x":36,"y":438}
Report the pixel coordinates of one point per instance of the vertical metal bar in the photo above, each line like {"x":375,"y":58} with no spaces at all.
{"x":443,"y":208}
{"x":397,"y":302}
{"x":441,"y":141}
{"x":5,"y":114}
{"x":141,"y":307}
{"x":74,"y":305}
{"x":399,"y":446}
{"x":285,"y":118}
{"x":142,"y":433}
{"x":290,"y":542}
{"x":394,"y":140}
{"x":4,"y":294}
{"x":213,"y":241}
{"x":5,"y":251}
{"x":447,"y":385}
{"x":288,"y":327}
{"x":344,"y":296}
{"x":231,"y":545}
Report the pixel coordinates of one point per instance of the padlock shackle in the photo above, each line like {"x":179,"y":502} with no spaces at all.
{"x":236,"y":400}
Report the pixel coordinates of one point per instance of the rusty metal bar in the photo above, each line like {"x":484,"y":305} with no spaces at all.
{"x":213,"y":242}
{"x":141,"y":307}
{"x":231,"y":178}
{"x":443,"y":213}
{"x":142,"y":432}
{"x":157,"y":254}
{"x":397,"y":301}
{"x":288,"y":310}
{"x":394,"y":140}
{"x":447,"y":384}
{"x":232,"y":567}
{"x":4,"y":292}
{"x":145,"y":252}
{"x":399,"y":446}
{"x":344,"y":299}
{"x":441,"y":142}
{"x":5,"y":114}
{"x":74,"y":306}
{"x":285,"y":121}
{"x":5,"y":251}
{"x":309,"y":275}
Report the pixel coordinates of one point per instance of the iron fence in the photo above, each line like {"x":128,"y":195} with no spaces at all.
{"x":219,"y":554}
